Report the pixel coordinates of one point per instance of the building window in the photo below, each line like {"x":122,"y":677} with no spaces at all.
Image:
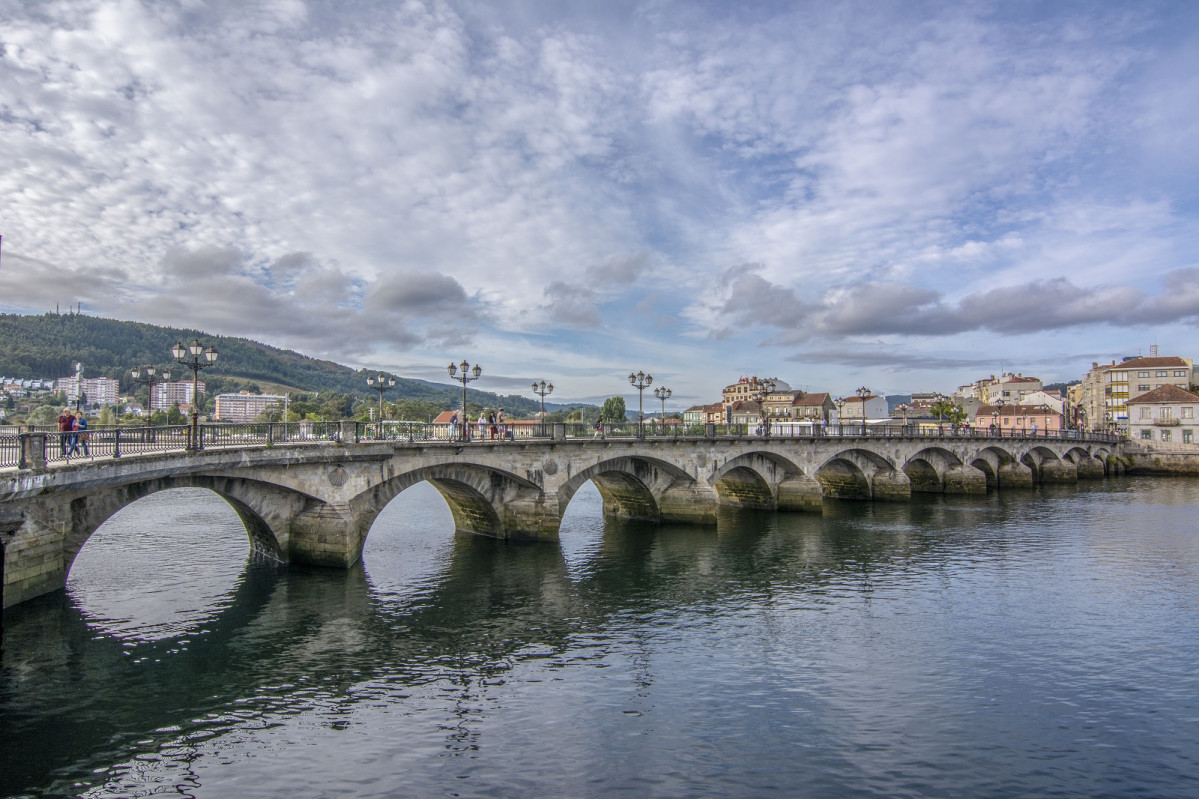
{"x":1162,"y":373}
{"x":1188,"y":436}
{"x":1142,"y":374}
{"x":1167,"y":413}
{"x":1147,"y":435}
{"x":1188,"y":412}
{"x":1146,"y":412}
{"x":1144,"y":387}
{"x":1165,"y":435}
{"x":1179,"y":373}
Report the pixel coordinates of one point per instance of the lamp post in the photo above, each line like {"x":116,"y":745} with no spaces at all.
{"x":998,"y":412}
{"x":152,"y":378}
{"x":541,"y":389}
{"x":195,"y":350}
{"x":640,"y":381}
{"x":381,"y":383}
{"x":78,"y":384}
{"x":469,"y":373}
{"x":903,"y":408}
{"x":662,"y":393}
{"x":863,"y":393}
{"x":840,"y":403}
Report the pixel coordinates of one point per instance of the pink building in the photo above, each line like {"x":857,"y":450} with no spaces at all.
{"x":1020,"y":418}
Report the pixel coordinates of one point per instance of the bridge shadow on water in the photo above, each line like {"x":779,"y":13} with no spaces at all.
{"x":75,"y":699}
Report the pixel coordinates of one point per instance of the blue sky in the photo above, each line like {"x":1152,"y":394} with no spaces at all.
{"x":906,"y":195}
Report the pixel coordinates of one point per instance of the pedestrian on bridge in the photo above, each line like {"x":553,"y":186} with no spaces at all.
{"x":79,"y":435}
{"x":66,"y":423}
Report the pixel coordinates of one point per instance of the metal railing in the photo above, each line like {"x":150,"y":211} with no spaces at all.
{"x":27,"y":448}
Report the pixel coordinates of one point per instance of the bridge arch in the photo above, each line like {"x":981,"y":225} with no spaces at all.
{"x":760,"y":480}
{"x":263,"y":508}
{"x":927,"y":468}
{"x":1047,"y":466}
{"x":992,"y":460}
{"x":482,"y":499}
{"x":862,"y":474}
{"x":1086,"y":465}
{"x":633,"y":487}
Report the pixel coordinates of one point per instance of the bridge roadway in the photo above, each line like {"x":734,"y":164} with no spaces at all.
{"x":314,"y":502}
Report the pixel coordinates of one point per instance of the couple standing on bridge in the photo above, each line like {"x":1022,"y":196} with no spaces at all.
{"x":72,"y":429}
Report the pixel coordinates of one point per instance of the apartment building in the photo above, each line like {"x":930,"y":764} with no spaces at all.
{"x":1108,"y":388}
{"x":747,"y":387}
{"x":98,"y":390}
{"x":181,"y":393}
{"x":243,"y":406}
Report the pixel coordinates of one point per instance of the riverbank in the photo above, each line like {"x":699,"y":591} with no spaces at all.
{"x":1161,"y":458}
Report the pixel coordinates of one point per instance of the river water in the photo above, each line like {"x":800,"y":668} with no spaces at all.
{"x":1039,"y":643}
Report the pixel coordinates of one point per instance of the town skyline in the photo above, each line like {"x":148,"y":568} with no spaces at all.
{"x":906,"y":197}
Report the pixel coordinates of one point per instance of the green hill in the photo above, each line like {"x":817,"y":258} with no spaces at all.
{"x":49,"y":346}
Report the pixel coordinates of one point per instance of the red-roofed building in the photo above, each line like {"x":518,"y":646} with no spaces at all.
{"x":1164,"y":414}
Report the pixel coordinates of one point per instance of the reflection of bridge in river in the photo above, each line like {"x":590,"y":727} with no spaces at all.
{"x":297,"y":639}
{"x":314,"y":502}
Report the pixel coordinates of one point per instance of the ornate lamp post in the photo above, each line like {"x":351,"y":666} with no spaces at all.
{"x":541,"y":389}
{"x":381,"y":383}
{"x":863,"y":393}
{"x":903,"y":408}
{"x":640,"y":381}
{"x":998,"y":412}
{"x":468,"y":374}
{"x":196,"y":351}
{"x":663,"y":393}
{"x":153,"y":378}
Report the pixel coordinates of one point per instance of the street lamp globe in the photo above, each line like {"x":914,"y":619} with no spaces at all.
{"x":640,"y":381}
{"x":195,"y":364}
{"x":542,"y":389}
{"x":467,"y":374}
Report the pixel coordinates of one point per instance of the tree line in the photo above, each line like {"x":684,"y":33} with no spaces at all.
{"x":49,"y":345}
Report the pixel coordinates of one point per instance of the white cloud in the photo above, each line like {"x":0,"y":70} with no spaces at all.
{"x":381,"y":182}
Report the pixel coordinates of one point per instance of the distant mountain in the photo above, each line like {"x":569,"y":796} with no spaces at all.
{"x":51,"y":344}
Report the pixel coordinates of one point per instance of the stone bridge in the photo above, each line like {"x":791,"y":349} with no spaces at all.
{"x":315,"y":503}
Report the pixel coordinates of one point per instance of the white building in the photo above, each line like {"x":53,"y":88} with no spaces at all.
{"x":244,"y":406}
{"x":856,"y":409}
{"x":167,"y":395}
{"x":98,"y":390}
{"x":1053,"y":399}
{"x":1164,"y":414}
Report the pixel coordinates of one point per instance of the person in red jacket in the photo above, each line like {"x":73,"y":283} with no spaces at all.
{"x":66,"y":423}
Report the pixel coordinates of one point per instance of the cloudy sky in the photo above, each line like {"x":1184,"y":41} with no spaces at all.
{"x":904,"y":195}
